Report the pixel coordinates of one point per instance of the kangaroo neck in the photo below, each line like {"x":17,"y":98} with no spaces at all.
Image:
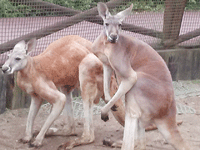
{"x":26,"y":70}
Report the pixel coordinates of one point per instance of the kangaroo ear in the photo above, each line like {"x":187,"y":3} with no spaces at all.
{"x":31,"y":45}
{"x":123,"y":14}
{"x":103,"y":10}
{"x":20,"y":46}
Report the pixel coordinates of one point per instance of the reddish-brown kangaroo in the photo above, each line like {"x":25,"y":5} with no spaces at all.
{"x":144,"y":80}
{"x":65,"y":64}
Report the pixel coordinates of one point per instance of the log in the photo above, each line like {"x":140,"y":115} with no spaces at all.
{"x":142,"y":30}
{"x":89,"y":15}
{"x":57,"y":26}
{"x":60,"y":10}
{"x":183,"y":38}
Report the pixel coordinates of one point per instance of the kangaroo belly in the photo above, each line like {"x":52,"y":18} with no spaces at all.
{"x":154,"y":97}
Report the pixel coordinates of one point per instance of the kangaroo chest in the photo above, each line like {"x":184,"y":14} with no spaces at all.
{"x":117,"y":59}
{"x":103,"y":57}
{"x":25,"y":85}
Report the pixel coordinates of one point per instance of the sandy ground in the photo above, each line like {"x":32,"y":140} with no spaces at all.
{"x":187,"y":94}
{"x":12,"y":127}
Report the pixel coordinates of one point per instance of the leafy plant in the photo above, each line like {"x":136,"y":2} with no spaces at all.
{"x":75,"y":4}
{"x":8,"y":9}
{"x":193,"y":5}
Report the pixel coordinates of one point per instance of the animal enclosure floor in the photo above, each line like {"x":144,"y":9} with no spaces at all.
{"x":12,"y":127}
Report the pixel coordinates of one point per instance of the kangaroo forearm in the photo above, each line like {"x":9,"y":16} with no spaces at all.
{"x":107,"y":72}
{"x":124,"y":87}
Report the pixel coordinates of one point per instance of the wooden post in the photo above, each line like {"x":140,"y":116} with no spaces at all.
{"x":173,"y":15}
{"x":2,"y":93}
{"x":20,"y":99}
{"x":9,"y":90}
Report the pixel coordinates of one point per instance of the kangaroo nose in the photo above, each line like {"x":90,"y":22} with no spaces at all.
{"x":5,"y":69}
{"x":114,"y":38}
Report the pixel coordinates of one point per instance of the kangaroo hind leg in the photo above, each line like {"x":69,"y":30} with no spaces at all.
{"x":57,"y":99}
{"x":169,"y":129}
{"x":133,"y":113}
{"x":140,"y":139}
{"x":34,"y":108}
{"x":65,"y":124}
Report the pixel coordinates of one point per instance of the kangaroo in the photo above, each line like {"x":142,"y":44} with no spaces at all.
{"x":66,"y":63}
{"x":144,"y":80}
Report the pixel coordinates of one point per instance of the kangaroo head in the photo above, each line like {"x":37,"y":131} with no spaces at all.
{"x":112,"y":24}
{"x":18,"y":58}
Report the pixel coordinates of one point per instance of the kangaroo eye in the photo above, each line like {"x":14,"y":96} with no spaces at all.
{"x":17,"y":58}
{"x":120,"y":25}
{"x":106,"y":24}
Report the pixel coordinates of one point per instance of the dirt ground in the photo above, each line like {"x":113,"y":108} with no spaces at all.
{"x":12,"y":127}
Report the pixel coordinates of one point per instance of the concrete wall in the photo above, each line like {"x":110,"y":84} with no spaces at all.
{"x":184,"y":64}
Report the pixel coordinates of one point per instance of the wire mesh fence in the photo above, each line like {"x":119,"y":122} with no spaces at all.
{"x":159,"y":23}
{"x":78,"y":110}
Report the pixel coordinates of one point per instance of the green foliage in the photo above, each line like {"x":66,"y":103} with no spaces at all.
{"x":8,"y":9}
{"x":138,"y":5}
{"x":193,"y":5}
{"x":75,"y":4}
{"x":143,"y":5}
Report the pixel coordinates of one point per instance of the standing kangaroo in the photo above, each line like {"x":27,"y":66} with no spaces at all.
{"x":144,"y":80}
{"x":64,"y":64}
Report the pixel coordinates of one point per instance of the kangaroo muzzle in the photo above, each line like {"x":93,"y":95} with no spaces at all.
{"x":113,"y":38}
{"x":6,"y":69}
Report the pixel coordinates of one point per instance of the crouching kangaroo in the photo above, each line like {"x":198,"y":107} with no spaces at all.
{"x":63,"y":64}
{"x":144,"y":80}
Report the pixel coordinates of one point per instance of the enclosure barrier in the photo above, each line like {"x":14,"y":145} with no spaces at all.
{"x":165,"y":25}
